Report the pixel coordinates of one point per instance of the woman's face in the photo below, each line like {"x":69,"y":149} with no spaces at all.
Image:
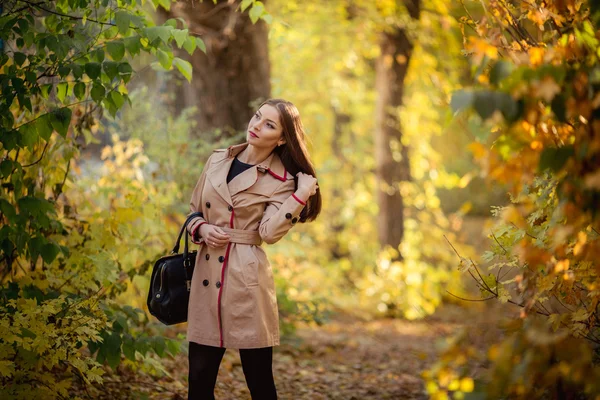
{"x":264,"y":129}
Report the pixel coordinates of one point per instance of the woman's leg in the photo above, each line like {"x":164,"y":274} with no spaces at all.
{"x":258,"y":370}
{"x":204,"y":364}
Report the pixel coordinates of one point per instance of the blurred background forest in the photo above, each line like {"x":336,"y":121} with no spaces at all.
{"x":457,"y":148}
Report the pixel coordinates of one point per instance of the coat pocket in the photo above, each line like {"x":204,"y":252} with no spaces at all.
{"x":250,"y":269}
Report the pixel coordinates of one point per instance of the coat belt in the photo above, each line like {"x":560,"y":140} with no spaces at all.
{"x":243,"y":236}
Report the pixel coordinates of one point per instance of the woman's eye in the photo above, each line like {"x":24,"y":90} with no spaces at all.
{"x":255,"y":115}
{"x":270,"y":126}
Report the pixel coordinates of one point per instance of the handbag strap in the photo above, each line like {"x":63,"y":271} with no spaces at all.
{"x":188,"y":219}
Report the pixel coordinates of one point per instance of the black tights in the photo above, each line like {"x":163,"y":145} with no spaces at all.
{"x":204,"y":364}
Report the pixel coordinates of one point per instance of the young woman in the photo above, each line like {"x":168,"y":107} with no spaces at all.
{"x":249,"y":193}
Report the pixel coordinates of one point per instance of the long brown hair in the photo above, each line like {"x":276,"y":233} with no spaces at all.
{"x":294,"y":153}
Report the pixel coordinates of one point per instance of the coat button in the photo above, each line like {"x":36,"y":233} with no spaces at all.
{"x":208,"y":204}
{"x":221,"y":258}
{"x":230,"y":208}
{"x":207,"y":256}
{"x":218,"y":284}
{"x":294,"y":220}
{"x":205,"y":282}
{"x":288,"y":215}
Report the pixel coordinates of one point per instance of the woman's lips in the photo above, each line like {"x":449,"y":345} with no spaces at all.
{"x":253,"y":134}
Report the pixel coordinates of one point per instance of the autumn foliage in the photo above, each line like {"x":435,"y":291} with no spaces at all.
{"x":537,"y":91}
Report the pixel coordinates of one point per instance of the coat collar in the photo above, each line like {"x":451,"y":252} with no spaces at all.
{"x":220,"y":168}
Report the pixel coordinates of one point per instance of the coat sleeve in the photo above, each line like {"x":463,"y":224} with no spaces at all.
{"x":193,"y":226}
{"x":281,"y":213}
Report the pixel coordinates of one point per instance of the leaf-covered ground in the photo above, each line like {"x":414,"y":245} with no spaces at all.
{"x":348,"y":358}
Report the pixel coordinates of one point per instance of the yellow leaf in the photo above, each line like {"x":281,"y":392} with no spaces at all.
{"x":467,"y":385}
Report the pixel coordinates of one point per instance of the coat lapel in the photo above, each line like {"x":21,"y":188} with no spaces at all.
{"x":218,"y":178}
{"x":220,"y":169}
{"x":243,"y":181}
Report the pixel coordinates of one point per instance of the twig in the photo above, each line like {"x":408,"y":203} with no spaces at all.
{"x":461,"y":298}
{"x":40,"y":159}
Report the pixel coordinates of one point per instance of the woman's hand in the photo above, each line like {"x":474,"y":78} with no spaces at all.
{"x":307,"y":184}
{"x":214,"y":236}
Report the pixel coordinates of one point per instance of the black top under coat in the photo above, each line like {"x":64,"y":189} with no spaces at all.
{"x":237,"y":167}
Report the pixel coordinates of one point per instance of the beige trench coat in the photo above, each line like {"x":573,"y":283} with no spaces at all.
{"x":232,"y":299}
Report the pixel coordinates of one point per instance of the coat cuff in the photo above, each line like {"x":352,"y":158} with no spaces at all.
{"x":298,"y":199}
{"x":291,"y":209}
{"x":196,"y":233}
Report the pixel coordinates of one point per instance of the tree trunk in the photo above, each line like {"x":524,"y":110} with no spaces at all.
{"x":233,"y":77}
{"x":391,"y":155}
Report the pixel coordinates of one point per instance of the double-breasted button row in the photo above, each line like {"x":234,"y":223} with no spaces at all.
{"x":230,"y":207}
{"x":221,"y":258}
{"x":206,"y":283}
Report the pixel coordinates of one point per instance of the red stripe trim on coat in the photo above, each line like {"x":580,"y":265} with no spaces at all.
{"x":222,"y":283}
{"x":299,"y":201}
{"x":281,"y":178}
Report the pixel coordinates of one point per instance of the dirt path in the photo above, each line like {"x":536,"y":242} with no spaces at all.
{"x":349,"y":359}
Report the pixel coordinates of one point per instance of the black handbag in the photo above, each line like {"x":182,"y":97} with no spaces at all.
{"x":169,"y":291}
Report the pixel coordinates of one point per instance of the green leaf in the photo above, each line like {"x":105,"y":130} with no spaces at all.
{"x":29,"y":135}
{"x":268,"y":18}
{"x":129,"y":347}
{"x":35,"y":246}
{"x":184,"y":67}
{"x":165,"y":59}
{"x":112,"y":347}
{"x":45,"y":90}
{"x":97,"y":92}
{"x":201,"y":45}
{"x":122,"y":19}
{"x":162,"y":32}
{"x":79,"y":90}
{"x":61,"y":91}
{"x":6,"y":167}
{"x":98,"y":54}
{"x":49,"y":252}
{"x":116,"y":49}
{"x":172,"y":22}
{"x":499,"y":71}
{"x":555,"y":158}
{"x":117,"y":98}
{"x":7,"y":209}
{"x":256,"y":11}
{"x":125,"y":68}
{"x":158,"y":344}
{"x":77,"y":71}
{"x":111,"y":69}
{"x":484,"y":103}
{"x":173,"y":346}
{"x":461,"y":99}
{"x":190,"y":45}
{"x":93,"y":70}
{"x":19,"y":58}
{"x":133,"y":45}
{"x":60,"y":120}
{"x":180,"y":36}
{"x":64,"y":71}
{"x":245,"y":4}
{"x":44,"y":127}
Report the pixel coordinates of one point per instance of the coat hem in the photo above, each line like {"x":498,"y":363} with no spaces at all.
{"x":228,"y":344}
